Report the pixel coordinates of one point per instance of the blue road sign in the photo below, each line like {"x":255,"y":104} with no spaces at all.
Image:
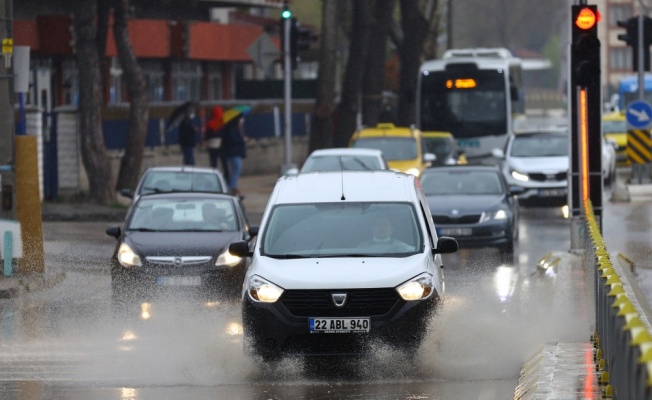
{"x":638,"y":114}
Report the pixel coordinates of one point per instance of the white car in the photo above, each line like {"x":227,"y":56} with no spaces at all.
{"x":343,"y":159}
{"x":343,"y":259}
{"x":181,"y":178}
{"x":538,"y":162}
{"x":609,"y":159}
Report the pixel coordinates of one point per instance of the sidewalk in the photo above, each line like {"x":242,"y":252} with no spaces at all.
{"x":255,"y":189}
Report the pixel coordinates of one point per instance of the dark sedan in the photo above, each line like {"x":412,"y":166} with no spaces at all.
{"x":180,"y":240}
{"x":473,"y":204}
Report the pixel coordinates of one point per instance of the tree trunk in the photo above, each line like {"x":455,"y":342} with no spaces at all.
{"x":374,"y":76}
{"x":355,"y":70}
{"x":94,"y":155}
{"x":415,"y":28}
{"x":132,"y":160}
{"x":321,"y":135}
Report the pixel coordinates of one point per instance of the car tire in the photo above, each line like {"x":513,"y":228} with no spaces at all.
{"x":122,"y":293}
{"x":507,"y":253}
{"x":252,"y":348}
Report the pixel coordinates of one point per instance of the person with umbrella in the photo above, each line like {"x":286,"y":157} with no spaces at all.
{"x":234,"y":150}
{"x":213,"y":137}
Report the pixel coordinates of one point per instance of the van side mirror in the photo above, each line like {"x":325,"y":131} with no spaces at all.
{"x":240,"y":249}
{"x":445,"y":245}
{"x":498,"y":153}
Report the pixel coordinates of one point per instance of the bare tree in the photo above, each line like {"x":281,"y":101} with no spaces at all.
{"x":94,"y":154}
{"x":374,"y":76}
{"x":499,"y":23}
{"x":321,"y":135}
{"x":355,"y":70}
{"x":132,"y":159}
{"x":416,"y":24}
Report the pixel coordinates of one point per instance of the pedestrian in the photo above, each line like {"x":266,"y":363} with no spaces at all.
{"x":213,"y":136}
{"x":234,"y":150}
{"x":188,"y":136}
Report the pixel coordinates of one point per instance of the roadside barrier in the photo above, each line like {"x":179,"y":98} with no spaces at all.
{"x":11,"y":247}
{"x":623,"y":338}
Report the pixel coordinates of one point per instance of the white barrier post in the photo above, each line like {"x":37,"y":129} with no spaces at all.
{"x":8,"y":252}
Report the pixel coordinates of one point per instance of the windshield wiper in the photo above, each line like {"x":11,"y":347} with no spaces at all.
{"x":365,"y":166}
{"x":287,"y":256}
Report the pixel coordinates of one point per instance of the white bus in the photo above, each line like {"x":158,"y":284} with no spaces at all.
{"x":473,"y":93}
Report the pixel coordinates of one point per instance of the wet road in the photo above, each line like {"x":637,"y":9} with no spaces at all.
{"x":68,"y":342}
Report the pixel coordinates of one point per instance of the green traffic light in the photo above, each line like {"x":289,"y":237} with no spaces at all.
{"x":286,"y":14}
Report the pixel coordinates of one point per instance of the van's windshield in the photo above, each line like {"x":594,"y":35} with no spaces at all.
{"x":342,"y":230}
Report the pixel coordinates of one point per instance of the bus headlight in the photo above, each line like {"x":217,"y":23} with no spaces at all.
{"x":417,"y":288}
{"x":127,"y":257}
{"x":261,"y":290}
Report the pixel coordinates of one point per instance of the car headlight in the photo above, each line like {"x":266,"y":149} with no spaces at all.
{"x":127,"y":257}
{"x":493,"y":215}
{"x":228,"y":259}
{"x":264,"y":291}
{"x":413,"y":171}
{"x":417,"y":288}
{"x":519,"y":176}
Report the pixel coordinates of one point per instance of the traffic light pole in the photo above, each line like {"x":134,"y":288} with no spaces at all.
{"x":641,"y":58}
{"x":287,"y":73}
{"x":585,"y":175}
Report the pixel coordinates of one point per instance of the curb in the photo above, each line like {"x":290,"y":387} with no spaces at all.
{"x":14,"y":286}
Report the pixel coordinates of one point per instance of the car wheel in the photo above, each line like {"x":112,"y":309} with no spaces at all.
{"x":507,"y":253}
{"x":253,"y":348}
{"x":122,"y":292}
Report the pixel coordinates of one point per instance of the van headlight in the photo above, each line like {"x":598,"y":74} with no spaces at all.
{"x":417,"y":288}
{"x":264,"y":291}
{"x":227,"y":259}
{"x":127,"y":257}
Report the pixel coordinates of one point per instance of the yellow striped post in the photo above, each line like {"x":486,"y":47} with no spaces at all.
{"x":639,"y":151}
{"x":28,"y":205}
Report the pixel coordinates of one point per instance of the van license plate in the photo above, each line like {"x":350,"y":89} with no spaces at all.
{"x":339,"y":325}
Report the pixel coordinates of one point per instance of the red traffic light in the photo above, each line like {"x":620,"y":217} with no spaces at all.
{"x":586,"y":19}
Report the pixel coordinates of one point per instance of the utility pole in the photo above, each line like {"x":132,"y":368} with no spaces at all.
{"x":7,"y":139}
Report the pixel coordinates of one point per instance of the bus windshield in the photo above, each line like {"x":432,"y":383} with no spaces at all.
{"x":468,"y":103}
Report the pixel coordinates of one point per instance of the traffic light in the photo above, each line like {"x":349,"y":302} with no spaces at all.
{"x":585,"y":47}
{"x":630,"y":37}
{"x":300,"y":39}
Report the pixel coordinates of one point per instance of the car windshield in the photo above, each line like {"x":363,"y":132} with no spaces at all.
{"x":393,"y":148}
{"x":178,"y":181}
{"x":342,"y":162}
{"x":342,"y":229}
{"x":183,"y":214}
{"x":540,"y":146}
{"x":439,"y":146}
{"x":461,"y":183}
{"x":614,"y":126}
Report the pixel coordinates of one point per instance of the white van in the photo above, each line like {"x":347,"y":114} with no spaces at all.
{"x":342,"y":259}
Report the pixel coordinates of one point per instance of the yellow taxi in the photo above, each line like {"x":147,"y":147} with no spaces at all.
{"x":444,"y":147}
{"x":614,"y":128}
{"x":401,"y":146}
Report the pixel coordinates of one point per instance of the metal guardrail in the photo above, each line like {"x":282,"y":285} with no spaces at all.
{"x":623,"y":338}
